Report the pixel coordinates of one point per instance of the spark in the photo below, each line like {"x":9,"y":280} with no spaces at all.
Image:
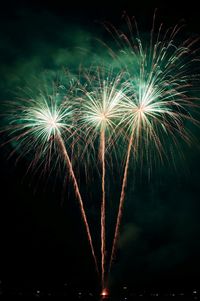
{"x":105,"y":293}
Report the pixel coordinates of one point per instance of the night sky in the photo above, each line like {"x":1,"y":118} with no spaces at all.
{"x":43,"y":241}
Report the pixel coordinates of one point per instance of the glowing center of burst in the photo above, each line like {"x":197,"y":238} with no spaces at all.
{"x":140,"y":110}
{"x":103,"y":116}
{"x":52,"y":123}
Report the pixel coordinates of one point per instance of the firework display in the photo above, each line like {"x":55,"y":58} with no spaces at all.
{"x":145,"y":97}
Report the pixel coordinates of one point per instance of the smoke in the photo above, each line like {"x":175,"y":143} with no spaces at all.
{"x":159,"y":236}
{"x":129,"y":234}
{"x":32,"y":43}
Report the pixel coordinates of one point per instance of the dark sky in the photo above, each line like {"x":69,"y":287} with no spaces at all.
{"x":42,"y":238}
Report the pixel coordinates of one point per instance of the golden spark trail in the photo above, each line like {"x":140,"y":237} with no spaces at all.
{"x":78,"y":195}
{"x":103,"y":224}
{"x":121,"y":202}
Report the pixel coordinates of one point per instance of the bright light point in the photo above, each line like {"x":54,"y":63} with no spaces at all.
{"x":49,"y":119}
{"x":103,"y":116}
{"x":105,"y":293}
{"x":52,"y":123}
{"x":140,"y":110}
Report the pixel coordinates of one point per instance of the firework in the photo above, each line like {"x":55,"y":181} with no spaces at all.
{"x":159,"y":89}
{"x":102,"y":94}
{"x":41,"y":126}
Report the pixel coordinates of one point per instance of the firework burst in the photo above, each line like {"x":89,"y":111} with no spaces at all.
{"x":34,"y":123}
{"x":42,"y":126}
{"x":102,"y":92}
{"x":160,"y":87}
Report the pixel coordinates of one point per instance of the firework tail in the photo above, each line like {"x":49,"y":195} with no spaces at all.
{"x":103,"y":234}
{"x":121,"y":202}
{"x":78,"y":195}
